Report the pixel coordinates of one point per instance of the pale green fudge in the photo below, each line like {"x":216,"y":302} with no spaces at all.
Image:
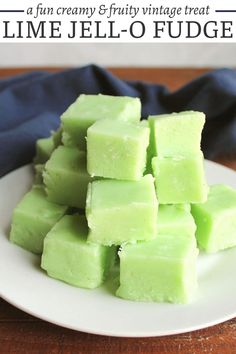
{"x":117,"y":149}
{"x":216,"y":219}
{"x":175,"y":219}
{"x":57,"y":137}
{"x":180,"y":179}
{"x":67,"y":255}
{"x":44,"y":149}
{"x":162,"y":270}
{"x":144,"y":123}
{"x":38,"y":169}
{"x":87,"y":109}
{"x":176,"y":134}
{"x":66,"y":178}
{"x":33,"y":218}
{"x":122,"y":211}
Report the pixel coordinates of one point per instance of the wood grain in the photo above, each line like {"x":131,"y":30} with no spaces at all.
{"x":173,"y":78}
{"x":21,"y":333}
{"x":24,"y":334}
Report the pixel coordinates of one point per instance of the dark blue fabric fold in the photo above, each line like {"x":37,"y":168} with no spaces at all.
{"x":31,"y":104}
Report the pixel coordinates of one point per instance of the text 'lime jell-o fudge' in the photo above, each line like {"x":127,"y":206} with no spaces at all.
{"x":33,"y":218}
{"x":121,"y":211}
{"x":65,"y":177}
{"x":87,"y":109}
{"x":69,"y":257}
{"x":162,"y":270}
{"x":216,"y":219}
{"x":117,"y":149}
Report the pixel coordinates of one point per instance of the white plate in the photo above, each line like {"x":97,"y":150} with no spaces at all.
{"x":24,"y":285}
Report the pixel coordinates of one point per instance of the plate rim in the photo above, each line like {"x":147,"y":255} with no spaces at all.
{"x":131,"y":333}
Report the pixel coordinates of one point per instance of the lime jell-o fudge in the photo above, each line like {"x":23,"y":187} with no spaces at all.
{"x":66,"y":178}
{"x":57,"y":137}
{"x":38,"y":177}
{"x":122,"y":211}
{"x":162,"y":270}
{"x":117,"y":149}
{"x":67,"y":255}
{"x":144,"y":123}
{"x":44,"y":149}
{"x":180,"y":179}
{"x":33,"y":218}
{"x":175,"y":219}
{"x":176,"y":134}
{"x":216,"y":219}
{"x":87,"y":109}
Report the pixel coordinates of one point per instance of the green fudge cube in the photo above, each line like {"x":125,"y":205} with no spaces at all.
{"x":57,"y":137}
{"x":117,"y":149}
{"x":87,"y":109}
{"x":38,"y":177}
{"x":180,"y":179}
{"x":175,"y":219}
{"x":44,"y":149}
{"x":162,"y":270}
{"x":176,"y":134}
{"x":33,"y":218}
{"x":122,"y":211}
{"x":216,"y":219}
{"x":66,"y":178}
{"x":144,"y":123}
{"x":68,"y":257}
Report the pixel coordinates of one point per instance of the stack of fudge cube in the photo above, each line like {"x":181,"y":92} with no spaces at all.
{"x":106,"y":182}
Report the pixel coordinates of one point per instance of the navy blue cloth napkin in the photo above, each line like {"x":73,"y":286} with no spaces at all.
{"x":31,"y":104}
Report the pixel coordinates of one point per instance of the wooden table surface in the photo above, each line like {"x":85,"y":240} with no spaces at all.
{"x":21,"y":333}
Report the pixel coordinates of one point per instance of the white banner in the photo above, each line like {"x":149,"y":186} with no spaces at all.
{"x":136,"y":21}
